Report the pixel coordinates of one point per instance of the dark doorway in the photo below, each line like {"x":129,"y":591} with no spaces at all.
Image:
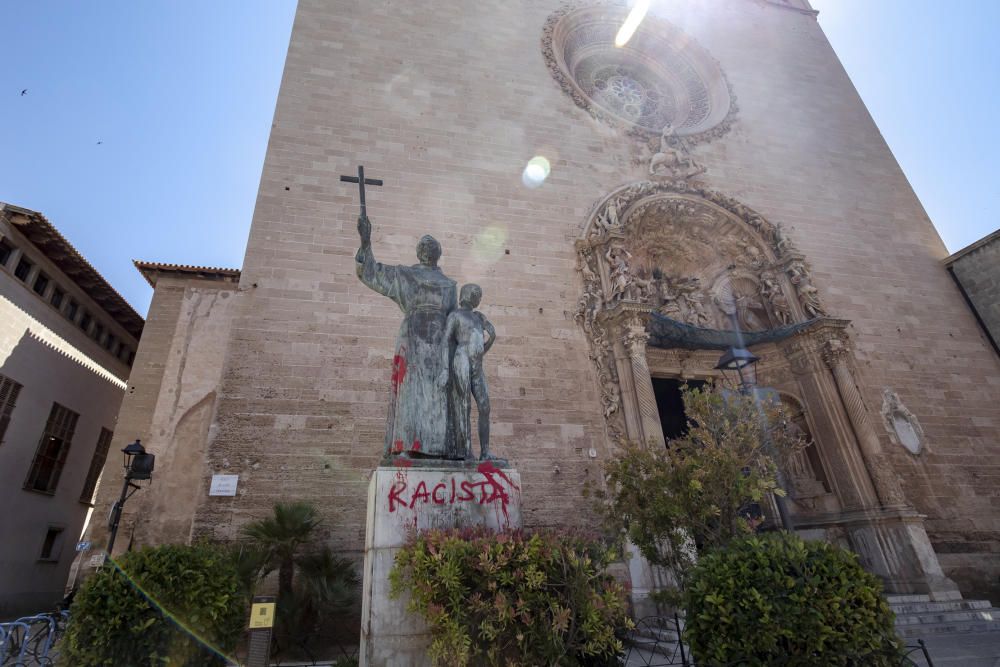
{"x":670,"y":405}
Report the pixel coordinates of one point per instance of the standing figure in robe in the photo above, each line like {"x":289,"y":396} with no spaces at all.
{"x":418,"y":406}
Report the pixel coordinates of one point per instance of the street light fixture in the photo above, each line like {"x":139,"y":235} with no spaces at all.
{"x":138,"y":465}
{"x":740,"y":363}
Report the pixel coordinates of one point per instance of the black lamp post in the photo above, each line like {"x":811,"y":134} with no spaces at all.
{"x":138,"y":466}
{"x":740,"y":363}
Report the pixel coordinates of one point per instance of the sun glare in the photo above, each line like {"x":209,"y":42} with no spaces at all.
{"x":632,"y":22}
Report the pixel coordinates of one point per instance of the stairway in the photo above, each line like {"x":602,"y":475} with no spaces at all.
{"x":919,"y":616}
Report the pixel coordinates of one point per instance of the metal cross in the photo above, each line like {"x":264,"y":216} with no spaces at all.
{"x":361,"y":181}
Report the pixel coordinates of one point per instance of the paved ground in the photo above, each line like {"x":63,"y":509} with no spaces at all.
{"x":978,"y":649}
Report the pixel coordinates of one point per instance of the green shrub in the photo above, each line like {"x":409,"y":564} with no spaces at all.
{"x":672,"y":502}
{"x":173,"y":604}
{"x":776,"y":599}
{"x":513,"y":598}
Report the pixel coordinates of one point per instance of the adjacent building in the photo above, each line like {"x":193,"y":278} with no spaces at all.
{"x":67,"y":343}
{"x":976,"y":270}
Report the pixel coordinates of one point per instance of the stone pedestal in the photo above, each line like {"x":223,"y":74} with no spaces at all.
{"x":417,"y":495}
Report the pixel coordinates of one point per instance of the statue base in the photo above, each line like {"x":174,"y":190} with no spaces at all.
{"x":409,"y":496}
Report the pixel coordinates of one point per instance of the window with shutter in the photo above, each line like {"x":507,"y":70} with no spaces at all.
{"x":52,"y":450}
{"x":96,"y":466}
{"x":8,"y":397}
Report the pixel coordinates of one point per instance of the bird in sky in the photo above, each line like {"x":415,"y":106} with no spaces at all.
{"x":99,"y":143}
{"x":24,"y":92}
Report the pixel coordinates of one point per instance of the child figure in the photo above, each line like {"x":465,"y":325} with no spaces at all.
{"x":464,"y":333}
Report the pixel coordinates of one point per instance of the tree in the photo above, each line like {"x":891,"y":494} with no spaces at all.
{"x":697,"y":492}
{"x":316,"y":589}
{"x":280,"y":538}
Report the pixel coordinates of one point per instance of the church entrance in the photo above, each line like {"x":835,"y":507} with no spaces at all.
{"x":670,"y":405}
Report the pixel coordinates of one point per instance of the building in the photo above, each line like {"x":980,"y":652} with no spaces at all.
{"x":67,"y":342}
{"x":717,"y":173}
{"x":976,"y":270}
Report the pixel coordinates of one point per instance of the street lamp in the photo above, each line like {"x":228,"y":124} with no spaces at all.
{"x":740,"y":363}
{"x":138,"y":466}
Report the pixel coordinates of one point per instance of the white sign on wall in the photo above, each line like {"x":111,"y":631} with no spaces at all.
{"x":223,"y":485}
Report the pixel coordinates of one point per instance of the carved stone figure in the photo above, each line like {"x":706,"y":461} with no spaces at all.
{"x":669,"y":305}
{"x":773,"y":295}
{"x":673,"y":159}
{"x":418,"y":407}
{"x":471,"y":336}
{"x":621,"y":277}
{"x":609,"y":219}
{"x":807,"y":294}
{"x":693,"y":300}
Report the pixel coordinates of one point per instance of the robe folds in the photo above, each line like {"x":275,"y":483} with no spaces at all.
{"x":418,"y":406}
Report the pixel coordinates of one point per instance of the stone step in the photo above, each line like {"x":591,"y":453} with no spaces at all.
{"x":900,"y":599}
{"x":902,"y":609}
{"x":948,"y":628}
{"x":949,"y":617}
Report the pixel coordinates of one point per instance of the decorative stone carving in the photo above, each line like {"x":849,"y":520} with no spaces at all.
{"x":884,"y":478}
{"x":661,"y":77}
{"x":807,"y":294}
{"x":902,"y":425}
{"x":673,"y":160}
{"x":774,"y":297}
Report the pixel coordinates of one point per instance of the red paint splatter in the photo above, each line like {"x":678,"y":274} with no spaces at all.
{"x":398,"y":369}
{"x":401,"y":462}
{"x":488,"y":470}
{"x":416,"y":446}
{"x":397,"y":446}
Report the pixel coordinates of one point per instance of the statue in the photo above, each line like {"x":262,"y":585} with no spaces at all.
{"x":673,"y":159}
{"x":466,"y":332}
{"x":621,"y":278}
{"x":418,"y":408}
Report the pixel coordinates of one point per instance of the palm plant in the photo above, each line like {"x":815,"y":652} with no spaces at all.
{"x":280,"y":537}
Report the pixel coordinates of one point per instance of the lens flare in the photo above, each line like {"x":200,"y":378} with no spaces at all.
{"x":488,"y":245}
{"x":632,"y":22}
{"x":536,"y":171}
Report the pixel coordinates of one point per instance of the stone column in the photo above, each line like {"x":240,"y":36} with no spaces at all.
{"x":887,"y":486}
{"x":636,"y":337}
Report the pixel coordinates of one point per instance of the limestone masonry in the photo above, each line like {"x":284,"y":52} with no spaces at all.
{"x":719,"y":172}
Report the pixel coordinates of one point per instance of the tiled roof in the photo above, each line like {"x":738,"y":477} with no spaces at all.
{"x":44,"y":236}
{"x":150,"y":270}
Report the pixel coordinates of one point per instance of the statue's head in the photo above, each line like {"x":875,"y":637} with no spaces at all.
{"x":470,"y":295}
{"x":428,"y":250}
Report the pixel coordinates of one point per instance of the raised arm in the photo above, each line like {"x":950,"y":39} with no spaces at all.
{"x":378,"y":277}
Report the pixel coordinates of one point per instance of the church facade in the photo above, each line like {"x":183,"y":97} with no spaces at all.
{"x":716,"y":179}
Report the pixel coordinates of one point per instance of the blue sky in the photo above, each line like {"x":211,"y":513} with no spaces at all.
{"x":181,"y":95}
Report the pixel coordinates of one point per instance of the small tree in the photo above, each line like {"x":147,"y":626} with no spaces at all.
{"x":697,"y":491}
{"x":316,"y":589}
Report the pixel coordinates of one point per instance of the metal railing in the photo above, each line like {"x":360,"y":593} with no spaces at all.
{"x":30,"y":641}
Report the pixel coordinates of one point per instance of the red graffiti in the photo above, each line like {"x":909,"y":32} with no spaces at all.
{"x":398,"y":369}
{"x":416,"y":446}
{"x":397,"y":446}
{"x":494,"y":488}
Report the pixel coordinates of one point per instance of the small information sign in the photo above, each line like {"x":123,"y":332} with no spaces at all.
{"x":223,"y":485}
{"x":261,"y":622}
{"x":97,"y":560}
{"x":83,"y":546}
{"x":262,"y":615}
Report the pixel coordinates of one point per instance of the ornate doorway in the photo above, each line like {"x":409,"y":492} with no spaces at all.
{"x":672,"y":274}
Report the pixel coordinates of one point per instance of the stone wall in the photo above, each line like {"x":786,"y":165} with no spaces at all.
{"x":169,"y":405}
{"x":447,"y":104}
{"x":977,"y":268}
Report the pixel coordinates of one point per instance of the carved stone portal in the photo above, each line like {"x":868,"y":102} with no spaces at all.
{"x":715,"y":273}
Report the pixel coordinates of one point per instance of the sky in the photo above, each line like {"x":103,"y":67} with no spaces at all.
{"x":143,"y":129}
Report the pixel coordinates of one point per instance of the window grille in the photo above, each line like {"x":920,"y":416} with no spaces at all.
{"x":96,"y":466}
{"x":8,"y":396}
{"x":52,"y":450}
